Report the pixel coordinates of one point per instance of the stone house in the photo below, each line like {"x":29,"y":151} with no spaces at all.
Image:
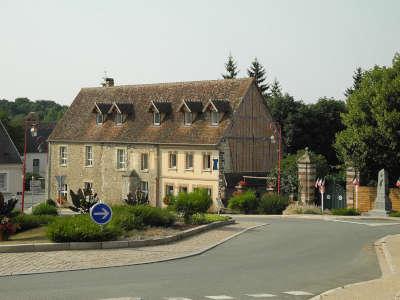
{"x":10,"y":166}
{"x":160,"y":138}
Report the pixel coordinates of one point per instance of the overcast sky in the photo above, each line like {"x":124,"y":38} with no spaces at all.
{"x":50,"y":49}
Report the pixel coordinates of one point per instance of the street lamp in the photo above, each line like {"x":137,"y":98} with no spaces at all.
{"x":277,"y":130}
{"x":33,"y":132}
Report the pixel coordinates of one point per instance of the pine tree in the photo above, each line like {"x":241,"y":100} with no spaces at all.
{"x":257,"y":71}
{"x":231,"y":68}
{"x":276,"y":90}
{"x":357,"y":77}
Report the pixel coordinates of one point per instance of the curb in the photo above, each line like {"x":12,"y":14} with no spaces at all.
{"x":385,"y":263}
{"x":315,"y":217}
{"x":42,"y":247}
{"x":195,"y":253}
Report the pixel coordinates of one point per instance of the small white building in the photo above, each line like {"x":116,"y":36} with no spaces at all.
{"x":10,"y":166}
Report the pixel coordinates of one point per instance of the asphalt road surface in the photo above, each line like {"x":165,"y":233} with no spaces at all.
{"x":287,"y":259}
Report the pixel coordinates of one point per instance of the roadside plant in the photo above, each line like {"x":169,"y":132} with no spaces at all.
{"x":300,"y":208}
{"x":25,"y":222}
{"x":7,"y":227}
{"x":200,"y":219}
{"x":345,"y":212}
{"x":45,"y":209}
{"x":245,"y":202}
{"x":272,"y":204}
{"x":6,"y":207}
{"x":188,"y":204}
{"x":83,"y":200}
{"x":394,"y":214}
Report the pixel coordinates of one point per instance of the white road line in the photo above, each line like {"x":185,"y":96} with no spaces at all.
{"x":261,"y":295}
{"x":122,"y":298}
{"x":176,"y":298}
{"x":367,"y":224}
{"x":298,"y":293}
{"x":220,"y":297}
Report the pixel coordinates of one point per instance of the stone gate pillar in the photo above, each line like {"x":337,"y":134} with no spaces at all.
{"x":306,"y":173}
{"x":351,"y":174}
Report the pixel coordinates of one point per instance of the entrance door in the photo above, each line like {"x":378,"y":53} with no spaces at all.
{"x":335,"y":196}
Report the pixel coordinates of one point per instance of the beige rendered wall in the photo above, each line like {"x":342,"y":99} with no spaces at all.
{"x":14,"y":179}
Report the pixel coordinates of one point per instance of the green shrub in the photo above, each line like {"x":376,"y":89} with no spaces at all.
{"x":127,"y":221}
{"x":299,"y":208}
{"x":246,"y":202}
{"x":44,"y":209}
{"x":81,"y":228}
{"x":394,"y":214}
{"x":51,"y":202}
{"x":189,"y":204}
{"x":345,"y":212}
{"x":83,"y":200}
{"x":153,"y":216}
{"x":26,"y":222}
{"x":272,"y":204}
{"x":199,"y":219}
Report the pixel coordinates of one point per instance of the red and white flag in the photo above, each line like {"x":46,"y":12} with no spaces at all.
{"x":356,"y":181}
{"x":317,"y":183}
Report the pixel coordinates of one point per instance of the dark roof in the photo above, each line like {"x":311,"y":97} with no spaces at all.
{"x":78,"y":123}
{"x":102,"y":107}
{"x":8,"y":152}
{"x":125,"y":108}
{"x":194,"y":106}
{"x":38,"y":143}
{"x":222,"y":105}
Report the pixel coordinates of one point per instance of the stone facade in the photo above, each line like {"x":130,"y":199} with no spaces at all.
{"x":306,"y":173}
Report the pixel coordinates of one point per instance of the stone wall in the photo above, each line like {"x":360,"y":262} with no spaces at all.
{"x":306,"y":173}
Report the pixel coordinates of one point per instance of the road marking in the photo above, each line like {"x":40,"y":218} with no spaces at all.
{"x":367,"y":224}
{"x":122,"y":298}
{"x":261,"y":295}
{"x":176,"y":298}
{"x":298,"y":293}
{"x":220,"y":297}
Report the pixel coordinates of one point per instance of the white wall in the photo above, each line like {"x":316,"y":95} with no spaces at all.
{"x":14,"y":179}
{"x":43,"y":163}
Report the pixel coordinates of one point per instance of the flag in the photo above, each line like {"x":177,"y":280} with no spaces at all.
{"x":316,"y":183}
{"x":356,"y":181}
{"x":398,"y":183}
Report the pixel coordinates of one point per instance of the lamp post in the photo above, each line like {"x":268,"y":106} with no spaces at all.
{"x":33,"y":132}
{"x":277,"y":130}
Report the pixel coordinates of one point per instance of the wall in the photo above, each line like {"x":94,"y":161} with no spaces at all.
{"x":367,"y":195}
{"x":43,"y":163}
{"x":14,"y":179}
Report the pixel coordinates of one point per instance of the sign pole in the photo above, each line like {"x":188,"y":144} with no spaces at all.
{"x":357,"y":196}
{"x":322,"y":201}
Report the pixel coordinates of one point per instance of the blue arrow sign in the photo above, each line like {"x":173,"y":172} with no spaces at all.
{"x":101,"y":213}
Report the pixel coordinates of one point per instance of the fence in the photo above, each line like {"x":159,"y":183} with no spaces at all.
{"x":367,"y":195}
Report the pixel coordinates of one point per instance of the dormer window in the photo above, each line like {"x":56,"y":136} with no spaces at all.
{"x":157,"y":118}
{"x":119,"y":118}
{"x":99,"y":118}
{"x":214,"y":118}
{"x":187,"y":118}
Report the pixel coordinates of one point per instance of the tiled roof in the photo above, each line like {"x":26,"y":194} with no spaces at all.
{"x":8,"y":152}
{"x":79,"y":124}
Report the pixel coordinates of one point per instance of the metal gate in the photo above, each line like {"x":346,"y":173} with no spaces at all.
{"x":335,"y":195}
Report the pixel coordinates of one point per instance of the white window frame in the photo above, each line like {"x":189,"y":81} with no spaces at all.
{"x":121,"y":161}
{"x":119,"y":118}
{"x":64,"y":191}
{"x":88,"y":160}
{"x":99,"y":115}
{"x":187,"y":118}
{"x":214,"y":114}
{"x":170,"y":155}
{"x":144,"y":186}
{"x":89,"y":183}
{"x":205,"y":168}
{"x":187,"y":167}
{"x":167,"y":190}
{"x":5,"y":182}
{"x":144,"y":157}
{"x":63,"y":155}
{"x":181,"y":187}
{"x":157,"y":122}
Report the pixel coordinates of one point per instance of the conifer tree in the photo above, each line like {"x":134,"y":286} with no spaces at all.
{"x":257,"y":71}
{"x":231,"y":68}
{"x":357,"y":77}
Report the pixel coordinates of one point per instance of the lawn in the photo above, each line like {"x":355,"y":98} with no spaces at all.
{"x":37,"y":235}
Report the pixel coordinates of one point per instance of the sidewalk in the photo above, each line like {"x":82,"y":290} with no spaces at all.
{"x":386,"y":287}
{"x":42,"y":262}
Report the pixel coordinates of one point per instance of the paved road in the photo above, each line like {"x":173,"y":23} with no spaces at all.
{"x":285,"y":258}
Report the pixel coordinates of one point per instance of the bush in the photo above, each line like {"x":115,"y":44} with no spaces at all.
{"x":153,"y":216}
{"x":272,"y":204}
{"x":44,"y":209}
{"x":345,"y":212}
{"x":296,"y":208}
{"x":246,"y":202}
{"x":51,"y":202}
{"x":127,"y":221}
{"x":189,"y":204}
{"x":199,"y":219}
{"x":394,"y":214}
{"x":26,"y":222}
{"x":81,"y":228}
{"x":83,"y":200}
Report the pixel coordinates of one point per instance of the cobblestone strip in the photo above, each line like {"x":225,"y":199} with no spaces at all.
{"x":41,"y":262}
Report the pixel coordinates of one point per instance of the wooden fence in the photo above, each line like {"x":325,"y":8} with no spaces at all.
{"x":367,"y":195}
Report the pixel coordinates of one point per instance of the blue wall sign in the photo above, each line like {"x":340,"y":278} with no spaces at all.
{"x":215,"y":164}
{"x":101,"y":213}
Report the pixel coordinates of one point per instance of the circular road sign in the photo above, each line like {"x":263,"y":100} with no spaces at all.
{"x":101,"y":213}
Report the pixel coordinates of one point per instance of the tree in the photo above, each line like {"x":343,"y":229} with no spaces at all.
{"x":231,"y":68}
{"x":357,"y":77}
{"x":276,"y":90}
{"x":257,"y":71}
{"x":371,"y":138}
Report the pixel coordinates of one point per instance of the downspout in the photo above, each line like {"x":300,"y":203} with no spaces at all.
{"x":158,"y":189}
{"x":48,"y":169}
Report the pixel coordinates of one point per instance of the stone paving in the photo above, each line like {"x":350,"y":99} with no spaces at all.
{"x":40,"y":262}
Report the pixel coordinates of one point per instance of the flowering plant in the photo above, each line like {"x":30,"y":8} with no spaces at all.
{"x":6,"y":227}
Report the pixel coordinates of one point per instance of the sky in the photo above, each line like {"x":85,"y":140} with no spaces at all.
{"x":51,"y":49}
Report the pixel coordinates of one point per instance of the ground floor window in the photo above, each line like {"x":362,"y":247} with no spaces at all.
{"x":63,"y":193}
{"x":3,"y":182}
{"x":169,"y":190}
{"x":88,"y":186}
{"x":183,"y":189}
{"x":144,"y":186}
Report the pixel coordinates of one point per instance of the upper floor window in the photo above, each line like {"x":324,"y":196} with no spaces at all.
{"x":206,"y":162}
{"x":144,"y":162}
{"x":36,"y":166}
{"x":118,"y":118}
{"x":99,"y":118}
{"x":189,"y":161}
{"x":214,"y":118}
{"x":121,"y":159}
{"x":88,"y":156}
{"x":63,"y":155}
{"x":157,"y":118}
{"x":187,"y":118}
{"x":172,"y":160}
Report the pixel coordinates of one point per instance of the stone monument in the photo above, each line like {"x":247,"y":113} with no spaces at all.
{"x":306,"y":174}
{"x":382,"y":191}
